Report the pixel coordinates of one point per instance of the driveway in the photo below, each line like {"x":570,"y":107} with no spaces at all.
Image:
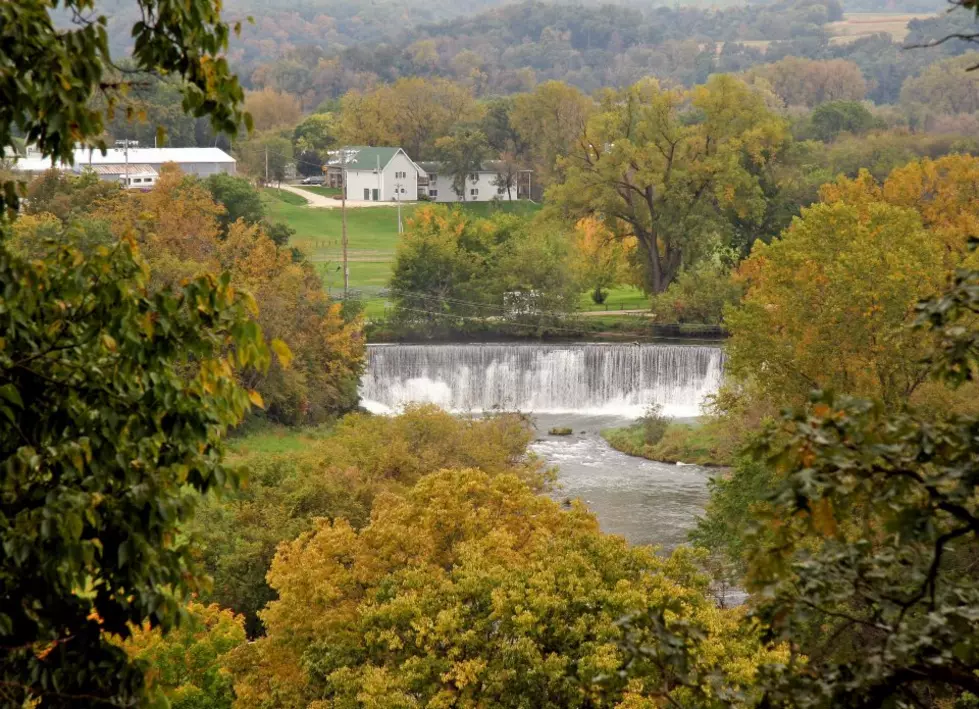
{"x":321,"y":202}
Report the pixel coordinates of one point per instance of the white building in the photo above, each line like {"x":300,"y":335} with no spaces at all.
{"x":376,"y":174}
{"x":132,"y":176}
{"x":112,"y":166}
{"x":192,"y":161}
{"x":483,"y":185}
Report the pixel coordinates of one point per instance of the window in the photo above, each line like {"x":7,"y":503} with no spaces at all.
{"x":403,"y":190}
{"x":474,"y":192}
{"x":432,"y":177}
{"x":401,"y":175}
{"x":433,"y":193}
{"x":501,"y":190}
{"x":474,"y":177}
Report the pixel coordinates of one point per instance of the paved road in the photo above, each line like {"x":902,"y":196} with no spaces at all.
{"x":322,"y":202}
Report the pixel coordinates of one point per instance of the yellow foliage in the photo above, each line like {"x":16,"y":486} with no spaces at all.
{"x":468,"y":591}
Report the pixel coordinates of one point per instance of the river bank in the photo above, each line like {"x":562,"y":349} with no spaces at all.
{"x":707,"y":444}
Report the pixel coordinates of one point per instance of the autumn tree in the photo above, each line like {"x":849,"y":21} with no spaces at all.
{"x":868,"y":538}
{"x":810,"y":82}
{"x":338,"y":476}
{"x":551,"y":120}
{"x":666,"y":167}
{"x":826,"y":306}
{"x":272,"y":109}
{"x":116,"y":400}
{"x":475,"y":591}
{"x":178,"y":225}
{"x":411,"y":113}
{"x":945,"y":87}
{"x":185,"y":666}
{"x":600,"y":260}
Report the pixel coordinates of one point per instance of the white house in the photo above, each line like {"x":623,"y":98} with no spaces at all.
{"x":377,"y":174}
{"x":483,"y":185}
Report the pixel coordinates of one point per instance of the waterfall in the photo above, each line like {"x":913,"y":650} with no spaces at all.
{"x":591,"y":378}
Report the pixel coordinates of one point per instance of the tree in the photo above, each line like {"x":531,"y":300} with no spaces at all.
{"x":186,"y":664}
{"x":339,"y":476}
{"x":238,"y":197}
{"x":834,"y":117}
{"x":49,"y":74}
{"x":271,"y":110}
{"x":809,"y":82}
{"x":871,"y":536}
{"x":600,"y":260}
{"x":826,"y":306}
{"x":312,"y":140}
{"x":265,"y":156}
{"x":116,"y":403}
{"x":944,"y":87}
{"x":551,"y":120}
{"x":474,"y":591}
{"x":664,"y":167}
{"x":412,"y":113}
{"x":66,"y":196}
{"x":461,"y":155}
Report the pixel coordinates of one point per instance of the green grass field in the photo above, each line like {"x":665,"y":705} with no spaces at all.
{"x":624,"y":298}
{"x":372,"y":234}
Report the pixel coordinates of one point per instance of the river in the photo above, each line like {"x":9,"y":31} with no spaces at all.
{"x":583,"y":387}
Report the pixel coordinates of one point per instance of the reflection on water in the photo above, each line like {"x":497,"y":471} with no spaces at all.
{"x":644,"y":501}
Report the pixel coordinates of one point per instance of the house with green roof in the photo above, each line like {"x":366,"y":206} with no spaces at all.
{"x":375,"y":174}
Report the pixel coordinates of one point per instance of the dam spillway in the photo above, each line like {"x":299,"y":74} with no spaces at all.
{"x":598,"y":379}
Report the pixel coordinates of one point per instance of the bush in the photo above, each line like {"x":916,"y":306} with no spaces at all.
{"x":560,"y":432}
{"x":654,"y":424}
{"x":698,"y":295}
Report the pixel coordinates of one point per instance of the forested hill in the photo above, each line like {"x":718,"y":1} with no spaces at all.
{"x":511,"y":48}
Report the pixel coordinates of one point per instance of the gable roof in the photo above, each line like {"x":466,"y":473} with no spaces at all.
{"x":362,"y":157}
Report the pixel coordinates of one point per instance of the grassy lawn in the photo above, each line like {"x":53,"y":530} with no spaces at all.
{"x":372,"y":234}
{"x":624,"y":298}
{"x":320,"y":190}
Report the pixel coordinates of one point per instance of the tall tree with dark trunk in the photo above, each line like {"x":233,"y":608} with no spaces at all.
{"x":667,"y":167}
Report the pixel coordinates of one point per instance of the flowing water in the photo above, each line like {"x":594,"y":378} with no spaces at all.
{"x":583,"y":387}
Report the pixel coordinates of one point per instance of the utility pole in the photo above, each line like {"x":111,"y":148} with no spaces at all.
{"x":125,"y":150}
{"x":266,"y":166}
{"x":397,"y":191}
{"x":343,"y":218}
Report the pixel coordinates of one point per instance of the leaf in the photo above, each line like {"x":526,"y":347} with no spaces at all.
{"x":283,"y":352}
{"x":10,"y":393}
{"x":256,"y":398}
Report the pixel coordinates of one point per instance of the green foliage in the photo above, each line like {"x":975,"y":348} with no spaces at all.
{"x":827,"y":304}
{"x":699,"y":294}
{"x":115,"y":405}
{"x":462,"y":154}
{"x":48,"y":75}
{"x":834,"y":117}
{"x":185,"y":665}
{"x":471,"y":590}
{"x":66,"y":196}
{"x":338,"y":476}
{"x":643,"y":166}
{"x":711,"y":442}
{"x":454,"y":272}
{"x":239,"y":198}
{"x":735,"y":500}
{"x":870,"y":537}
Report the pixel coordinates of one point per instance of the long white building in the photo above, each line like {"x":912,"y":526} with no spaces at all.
{"x":482,"y":185}
{"x":144,"y":164}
